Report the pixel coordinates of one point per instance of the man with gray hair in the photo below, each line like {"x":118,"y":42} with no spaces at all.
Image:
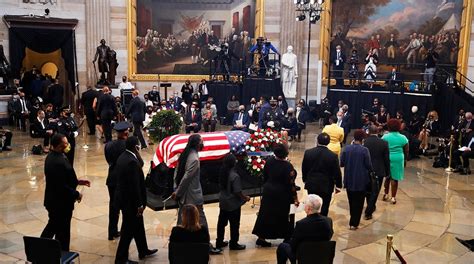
{"x":314,"y":227}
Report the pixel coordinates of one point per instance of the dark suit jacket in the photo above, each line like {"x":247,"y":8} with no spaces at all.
{"x":106,"y":108}
{"x":112,"y":152}
{"x":136,"y":110}
{"x":302,"y":118}
{"x":342,"y":58}
{"x":56,"y":94}
{"x":314,"y":227}
{"x":321,"y":170}
{"x":17,"y":105}
{"x":380,"y":155}
{"x":245,"y":119}
{"x":37,"y":129}
{"x":130,"y":193}
{"x":346,"y":123}
{"x":197,"y":118}
{"x":87,"y":100}
{"x":283,"y":106}
{"x":61,"y":182}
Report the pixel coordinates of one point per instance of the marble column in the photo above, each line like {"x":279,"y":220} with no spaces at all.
{"x":293,"y":33}
{"x":97,"y":27}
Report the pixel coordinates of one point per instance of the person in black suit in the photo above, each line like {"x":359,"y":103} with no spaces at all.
{"x":112,"y":151}
{"x":203,"y":90}
{"x":130,"y":197}
{"x":68,"y":127}
{"x":87,"y":101}
{"x":106,"y":111}
{"x":394,"y":79}
{"x":379,"y":154}
{"x":136,"y":112}
{"x":56,"y":94}
{"x":154,"y":95}
{"x":193,"y":120}
{"x":338,"y":59}
{"x":301,"y":117}
{"x":22,"y":109}
{"x":346,"y":123}
{"x":321,"y":172}
{"x":5,"y":139}
{"x":60,"y":193}
{"x":244,"y":119}
{"x":40,"y":129}
{"x":282,"y":104}
{"x":314,"y":227}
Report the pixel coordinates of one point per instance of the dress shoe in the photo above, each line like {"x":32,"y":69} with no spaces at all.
{"x":148,"y":252}
{"x":222,"y":244}
{"x":7,"y":148}
{"x":214,"y":251}
{"x":263,"y":243}
{"x":368,"y":217}
{"x":237,"y":246}
{"x":466,"y":243}
{"x":116,"y":235}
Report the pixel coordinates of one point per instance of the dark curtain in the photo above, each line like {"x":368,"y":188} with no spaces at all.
{"x":358,"y":100}
{"x":254,"y":88}
{"x":42,"y":41}
{"x":222,"y":92}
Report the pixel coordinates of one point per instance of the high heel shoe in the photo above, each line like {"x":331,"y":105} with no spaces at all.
{"x":393,"y":200}
{"x":385,"y":197}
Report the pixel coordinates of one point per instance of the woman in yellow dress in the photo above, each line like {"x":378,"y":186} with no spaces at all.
{"x":336,"y":133}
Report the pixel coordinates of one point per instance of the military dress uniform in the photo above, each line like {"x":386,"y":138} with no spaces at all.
{"x":68,"y":127}
{"x":276,"y":115}
{"x":112,"y":152}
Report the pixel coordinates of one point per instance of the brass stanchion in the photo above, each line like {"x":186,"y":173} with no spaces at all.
{"x":449,"y":168}
{"x":389,"y":248}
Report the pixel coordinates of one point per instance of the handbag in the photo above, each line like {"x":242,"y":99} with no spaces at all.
{"x":37,"y":150}
{"x":373,"y":181}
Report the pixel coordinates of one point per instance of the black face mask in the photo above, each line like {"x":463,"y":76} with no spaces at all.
{"x":273,"y":104}
{"x":200,"y":147}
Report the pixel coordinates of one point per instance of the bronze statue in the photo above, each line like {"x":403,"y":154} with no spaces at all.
{"x":113,"y":64}
{"x":101,"y":53}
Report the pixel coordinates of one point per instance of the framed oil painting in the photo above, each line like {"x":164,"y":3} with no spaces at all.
{"x":174,"y":40}
{"x":401,"y":31}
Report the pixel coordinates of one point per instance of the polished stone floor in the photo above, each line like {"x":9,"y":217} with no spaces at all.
{"x":433,"y":208}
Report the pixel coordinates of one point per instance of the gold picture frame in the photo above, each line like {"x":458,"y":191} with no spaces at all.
{"x":132,"y":49}
{"x":464,"y":40}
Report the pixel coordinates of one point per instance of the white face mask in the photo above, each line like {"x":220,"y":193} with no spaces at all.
{"x":298,"y":108}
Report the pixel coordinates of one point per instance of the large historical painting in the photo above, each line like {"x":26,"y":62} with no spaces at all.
{"x":402,"y":31}
{"x":183,"y":36}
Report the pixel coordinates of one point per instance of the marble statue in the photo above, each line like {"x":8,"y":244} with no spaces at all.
{"x":289,"y":73}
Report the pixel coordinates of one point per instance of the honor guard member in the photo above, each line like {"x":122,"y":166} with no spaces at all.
{"x":112,"y":151}
{"x":68,"y":127}
{"x":273,"y":117}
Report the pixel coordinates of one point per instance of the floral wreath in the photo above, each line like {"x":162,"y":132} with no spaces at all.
{"x":258,"y":146}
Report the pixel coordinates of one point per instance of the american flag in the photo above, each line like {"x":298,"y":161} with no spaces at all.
{"x":216,"y":146}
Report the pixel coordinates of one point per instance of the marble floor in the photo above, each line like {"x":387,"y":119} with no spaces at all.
{"x":433,"y":208}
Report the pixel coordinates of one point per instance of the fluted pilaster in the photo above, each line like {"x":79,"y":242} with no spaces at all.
{"x":97,"y":27}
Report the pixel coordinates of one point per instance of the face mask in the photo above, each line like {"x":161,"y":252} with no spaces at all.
{"x":67,"y":149}
{"x":273,"y":104}
{"x":137,"y":148}
{"x":339,"y":117}
{"x":201,"y":146}
{"x":242,"y":110}
{"x":193,"y":109}
{"x":298,"y":108}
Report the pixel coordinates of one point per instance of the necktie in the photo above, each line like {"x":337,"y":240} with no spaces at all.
{"x":240,"y":116}
{"x":194,"y":115}
{"x":338,"y":55}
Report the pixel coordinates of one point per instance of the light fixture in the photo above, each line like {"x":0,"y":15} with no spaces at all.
{"x":312,"y":9}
